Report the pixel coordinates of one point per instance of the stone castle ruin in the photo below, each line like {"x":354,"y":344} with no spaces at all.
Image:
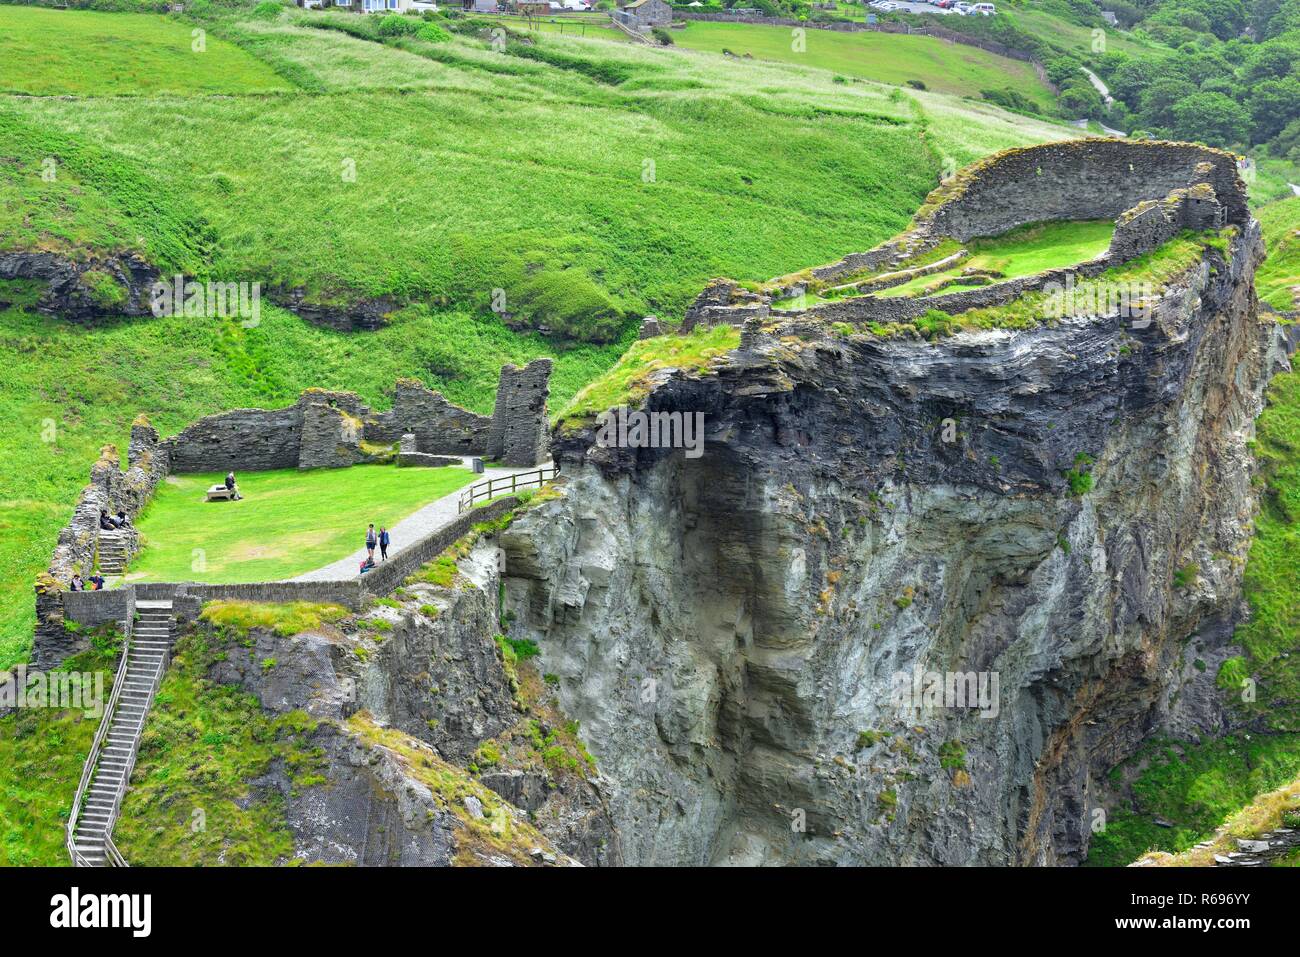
{"x":1151,"y":190}
{"x":323,"y":429}
{"x":326,"y":429}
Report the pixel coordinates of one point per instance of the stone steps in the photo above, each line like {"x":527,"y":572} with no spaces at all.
{"x":147,"y":651}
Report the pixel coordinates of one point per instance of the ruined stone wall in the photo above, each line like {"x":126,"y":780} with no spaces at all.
{"x":519,"y":434}
{"x":1084,"y":179}
{"x":439,"y":427}
{"x":331,"y":437}
{"x":1075,"y":179}
{"x":250,"y":440}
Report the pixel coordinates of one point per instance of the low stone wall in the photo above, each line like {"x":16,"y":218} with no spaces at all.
{"x":389,"y":575}
{"x":1152,"y":190}
{"x":118,"y":604}
{"x":1078,"y":179}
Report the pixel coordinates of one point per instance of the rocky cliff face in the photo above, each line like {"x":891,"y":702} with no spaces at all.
{"x":1064,"y":510}
{"x":409,"y":697}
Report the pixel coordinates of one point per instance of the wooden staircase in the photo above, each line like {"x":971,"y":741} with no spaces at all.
{"x":145,"y":654}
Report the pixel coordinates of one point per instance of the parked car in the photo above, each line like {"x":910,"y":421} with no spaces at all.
{"x":984,"y":9}
{"x":421,"y":6}
{"x":962,"y":7}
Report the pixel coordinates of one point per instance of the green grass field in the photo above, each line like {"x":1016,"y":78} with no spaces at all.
{"x":79,"y":53}
{"x":287,"y":523}
{"x":884,"y":57}
{"x":1278,"y":279}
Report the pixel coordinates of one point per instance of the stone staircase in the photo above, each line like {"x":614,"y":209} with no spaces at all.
{"x":112,"y":757}
{"x":112,"y":553}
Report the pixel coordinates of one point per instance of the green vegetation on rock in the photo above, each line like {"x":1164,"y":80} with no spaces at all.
{"x":191,"y":800}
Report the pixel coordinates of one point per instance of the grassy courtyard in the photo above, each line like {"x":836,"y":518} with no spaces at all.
{"x":288,"y":522}
{"x":1022,"y":252}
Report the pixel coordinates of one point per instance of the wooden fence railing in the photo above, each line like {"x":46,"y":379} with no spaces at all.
{"x":482,"y":491}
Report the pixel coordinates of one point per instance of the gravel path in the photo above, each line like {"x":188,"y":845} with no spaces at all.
{"x":408,"y":531}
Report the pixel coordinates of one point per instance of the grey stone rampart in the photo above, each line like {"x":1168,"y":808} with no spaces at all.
{"x":1077,"y":179}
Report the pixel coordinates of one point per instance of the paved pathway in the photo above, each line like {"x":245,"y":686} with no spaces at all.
{"x":409,"y":530}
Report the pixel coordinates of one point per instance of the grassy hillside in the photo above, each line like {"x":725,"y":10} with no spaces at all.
{"x":1278,"y":280}
{"x":591,"y":181}
{"x":886,"y":57}
{"x":49,"y":52}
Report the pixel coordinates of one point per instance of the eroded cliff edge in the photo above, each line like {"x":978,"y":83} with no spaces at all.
{"x":726,"y":629}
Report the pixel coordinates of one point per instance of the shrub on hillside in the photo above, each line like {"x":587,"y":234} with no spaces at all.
{"x":268,"y":10}
{"x":396,"y":25}
{"x":432,"y":33}
{"x":663,"y":36}
{"x":1011,"y":100}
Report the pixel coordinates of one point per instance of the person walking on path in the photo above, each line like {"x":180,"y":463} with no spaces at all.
{"x":371,"y":542}
{"x":383,"y":543}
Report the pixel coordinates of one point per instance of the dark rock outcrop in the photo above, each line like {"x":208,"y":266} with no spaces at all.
{"x":731,"y":630}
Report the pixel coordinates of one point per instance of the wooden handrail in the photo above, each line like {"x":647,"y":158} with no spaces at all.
{"x":506,"y":483}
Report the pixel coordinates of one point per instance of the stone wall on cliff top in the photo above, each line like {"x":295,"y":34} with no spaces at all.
{"x":1152,"y":191}
{"x":830,"y":539}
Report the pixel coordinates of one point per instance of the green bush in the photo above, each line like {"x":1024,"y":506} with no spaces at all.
{"x":432,"y":33}
{"x":663,"y":36}
{"x":268,"y":10}
{"x":397,"y":25}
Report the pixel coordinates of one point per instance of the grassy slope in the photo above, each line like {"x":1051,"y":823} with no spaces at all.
{"x":263,"y":537}
{"x":1278,"y":280}
{"x":489,"y":163}
{"x":51,"y":52}
{"x":42,"y":751}
{"x":1195,"y":786}
{"x":885,"y":57}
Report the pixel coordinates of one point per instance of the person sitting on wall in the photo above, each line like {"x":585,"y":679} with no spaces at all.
{"x":105,"y":522}
{"x":97,"y":582}
{"x":122,"y":520}
{"x":77,"y":584}
{"x":368,"y":564}
{"x":231,"y":486}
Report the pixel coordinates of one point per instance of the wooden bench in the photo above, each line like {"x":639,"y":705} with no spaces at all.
{"x":219,"y":493}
